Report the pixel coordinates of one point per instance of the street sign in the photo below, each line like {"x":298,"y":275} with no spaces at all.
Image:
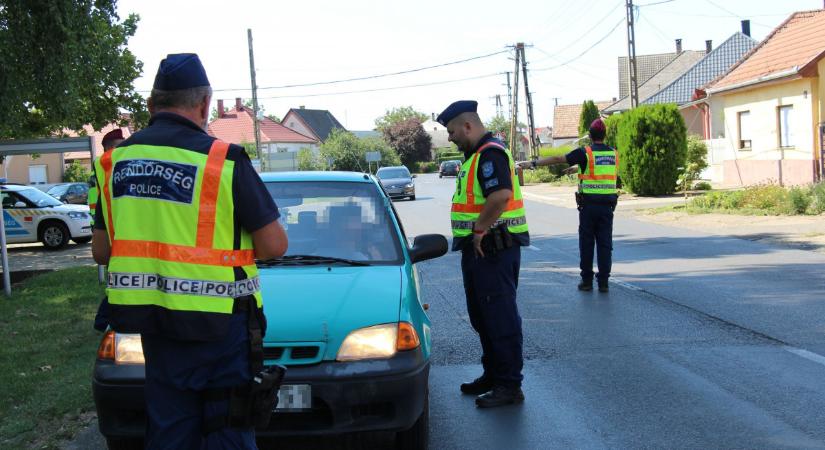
{"x":373,"y":156}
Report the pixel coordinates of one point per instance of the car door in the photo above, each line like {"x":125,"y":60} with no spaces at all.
{"x":72,"y":195}
{"x":17,"y":219}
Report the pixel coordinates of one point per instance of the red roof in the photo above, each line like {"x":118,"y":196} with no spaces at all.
{"x":97,"y":139}
{"x":792,"y":49}
{"x":236,"y":126}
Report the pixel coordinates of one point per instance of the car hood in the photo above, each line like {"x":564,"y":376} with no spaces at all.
{"x":325,"y":303}
{"x":66,"y":207}
{"x":395,"y":181}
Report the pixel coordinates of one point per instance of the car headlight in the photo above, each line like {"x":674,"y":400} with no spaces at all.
{"x":379,"y":341}
{"x":78,"y":215}
{"x":121,"y":348}
{"x":409,"y":185}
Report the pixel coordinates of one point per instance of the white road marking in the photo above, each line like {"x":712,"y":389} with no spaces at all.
{"x":534,"y":248}
{"x":810,"y":356}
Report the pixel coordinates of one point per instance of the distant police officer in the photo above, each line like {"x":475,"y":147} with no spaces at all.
{"x":182,"y":217}
{"x":489,"y":227}
{"x":598,"y":166}
{"x":110,"y":140}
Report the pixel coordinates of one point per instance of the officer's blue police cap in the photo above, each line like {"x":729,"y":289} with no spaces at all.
{"x":180,"y":71}
{"x":452,"y":111}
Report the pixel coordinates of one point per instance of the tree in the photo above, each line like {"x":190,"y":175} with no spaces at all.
{"x":589,"y":113}
{"x":308,"y":160}
{"x":409,"y":139}
{"x":350,"y":153}
{"x":695,"y":163}
{"x":65,"y":65}
{"x":398,"y":115}
{"x":652,"y":146}
{"x":76,"y":172}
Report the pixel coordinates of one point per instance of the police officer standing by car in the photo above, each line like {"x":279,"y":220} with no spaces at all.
{"x":598,"y":167}
{"x":489,"y":227}
{"x":182,"y":218}
{"x":110,"y":140}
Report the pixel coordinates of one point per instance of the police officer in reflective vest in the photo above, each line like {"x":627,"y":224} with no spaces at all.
{"x":110,"y":140}
{"x":489,"y":227}
{"x":598,"y":167}
{"x":181,"y":218}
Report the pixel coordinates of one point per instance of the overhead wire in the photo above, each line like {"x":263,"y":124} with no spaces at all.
{"x":583,"y":52}
{"x":360,"y":91}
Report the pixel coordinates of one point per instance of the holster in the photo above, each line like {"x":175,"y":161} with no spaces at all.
{"x":496,"y":240}
{"x":250,"y":405}
{"x":579,"y":200}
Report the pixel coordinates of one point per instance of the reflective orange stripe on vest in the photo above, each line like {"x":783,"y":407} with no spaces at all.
{"x":202,"y":252}
{"x":209,"y":193}
{"x":182,"y":253}
{"x":591,"y":166}
{"x":470,"y":206}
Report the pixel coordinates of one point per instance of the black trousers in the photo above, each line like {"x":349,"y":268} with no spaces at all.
{"x":490,"y":285}
{"x":596,"y":227}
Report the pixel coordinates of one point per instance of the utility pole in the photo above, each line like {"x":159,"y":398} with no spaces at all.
{"x":255,"y":102}
{"x":509,"y":96}
{"x":531,"y":125}
{"x":514,"y":104}
{"x":631,"y":56}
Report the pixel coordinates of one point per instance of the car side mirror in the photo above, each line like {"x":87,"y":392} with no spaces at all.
{"x":20,"y":205}
{"x":428,"y":246}
{"x":414,"y":175}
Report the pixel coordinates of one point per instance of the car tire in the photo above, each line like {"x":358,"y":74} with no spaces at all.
{"x":54,"y":235}
{"x":440,"y":176}
{"x":417,"y":437}
{"x":83,"y":240}
{"x":124,"y":443}
{"x":412,"y":198}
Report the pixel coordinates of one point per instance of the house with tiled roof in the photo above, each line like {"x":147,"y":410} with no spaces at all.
{"x":566,"y":121}
{"x":49,"y":168}
{"x":682,"y":90}
{"x":316,"y":123}
{"x":765,"y":113}
{"x":665,"y":76}
{"x":279,"y":144}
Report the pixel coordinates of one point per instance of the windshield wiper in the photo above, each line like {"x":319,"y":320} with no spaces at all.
{"x":308,"y":260}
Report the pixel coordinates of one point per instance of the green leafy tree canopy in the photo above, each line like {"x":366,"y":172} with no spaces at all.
{"x":398,"y":115}
{"x":65,"y":64}
{"x":76,"y":172}
{"x":589,"y":113}
{"x":409,"y":139}
{"x":347,"y":152}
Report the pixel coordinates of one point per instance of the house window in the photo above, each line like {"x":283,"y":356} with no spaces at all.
{"x":38,"y":174}
{"x":283,"y":149}
{"x":785,"y":119}
{"x":743,"y":120}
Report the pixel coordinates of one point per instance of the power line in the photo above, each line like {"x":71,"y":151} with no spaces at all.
{"x":367,"y":77}
{"x":585,"y":51}
{"x":655,"y":3}
{"x":733,"y":13}
{"x":598,"y":22}
{"x":360,"y":91}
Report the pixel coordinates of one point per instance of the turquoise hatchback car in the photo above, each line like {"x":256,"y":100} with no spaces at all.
{"x":344,"y":314}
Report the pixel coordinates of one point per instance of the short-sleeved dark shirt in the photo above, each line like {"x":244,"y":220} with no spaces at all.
{"x":579,"y":157}
{"x":254,"y":206}
{"x":493,"y":174}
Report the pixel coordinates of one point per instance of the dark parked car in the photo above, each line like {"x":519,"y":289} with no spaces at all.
{"x":397,"y":181}
{"x":73,"y":193}
{"x":448,"y":168}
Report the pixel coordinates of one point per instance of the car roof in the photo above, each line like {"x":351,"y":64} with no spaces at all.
{"x":394,"y":167}
{"x":356,"y":177}
{"x":16,"y":187}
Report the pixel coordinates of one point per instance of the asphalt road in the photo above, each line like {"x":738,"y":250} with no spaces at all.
{"x":703,"y":341}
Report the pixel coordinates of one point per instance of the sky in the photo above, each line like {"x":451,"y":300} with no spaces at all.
{"x":572,"y":48}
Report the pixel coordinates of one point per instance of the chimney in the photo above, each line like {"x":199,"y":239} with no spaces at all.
{"x":678,"y":46}
{"x":220,"y":109}
{"x":301,"y":107}
{"x":238,"y":104}
{"x":708,"y":46}
{"x":746,"y":27}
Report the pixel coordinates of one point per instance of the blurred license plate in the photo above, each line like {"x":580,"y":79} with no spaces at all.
{"x":294,"y":397}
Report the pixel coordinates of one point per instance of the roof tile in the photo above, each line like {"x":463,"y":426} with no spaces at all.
{"x":236,"y":126}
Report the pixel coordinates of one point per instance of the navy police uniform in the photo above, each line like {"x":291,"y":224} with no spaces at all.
{"x":595,"y":224}
{"x":491,"y":282}
{"x":180,"y":368}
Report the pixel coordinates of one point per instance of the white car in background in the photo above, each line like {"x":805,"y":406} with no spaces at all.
{"x":31,"y":215}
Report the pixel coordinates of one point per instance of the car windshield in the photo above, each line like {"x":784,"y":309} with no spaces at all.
{"x":393,"y":173}
{"x":57,"y":191}
{"x":345,"y":220}
{"x":39,"y":198}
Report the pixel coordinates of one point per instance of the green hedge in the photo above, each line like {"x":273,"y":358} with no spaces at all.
{"x":652,"y":143}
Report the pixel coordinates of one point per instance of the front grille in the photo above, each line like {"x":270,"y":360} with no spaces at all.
{"x":273,"y":352}
{"x":304,"y":352}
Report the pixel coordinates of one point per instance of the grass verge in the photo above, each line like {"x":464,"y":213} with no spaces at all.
{"x":46,"y":363}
